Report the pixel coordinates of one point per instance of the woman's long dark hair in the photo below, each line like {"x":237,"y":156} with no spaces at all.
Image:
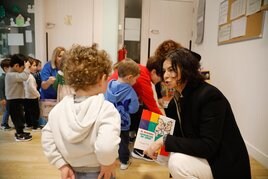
{"x":188,"y":64}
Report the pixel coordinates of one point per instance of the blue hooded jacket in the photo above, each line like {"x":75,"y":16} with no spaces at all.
{"x":125,"y":99}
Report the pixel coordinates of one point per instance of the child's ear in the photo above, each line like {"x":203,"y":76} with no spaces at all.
{"x":129,"y":77}
{"x":153,"y":71}
{"x":104,"y":77}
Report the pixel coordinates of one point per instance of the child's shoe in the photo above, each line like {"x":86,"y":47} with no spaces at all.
{"x":36,"y":129}
{"x":27,"y":133}
{"x":22,"y":137}
{"x":28,"y":128}
{"x":125,"y":166}
{"x":6,"y":127}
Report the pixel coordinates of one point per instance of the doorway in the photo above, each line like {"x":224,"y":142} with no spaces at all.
{"x":130,"y":27}
{"x":163,"y":20}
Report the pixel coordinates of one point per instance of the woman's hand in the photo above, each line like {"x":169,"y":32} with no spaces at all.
{"x":67,"y":172}
{"x":46,"y":84}
{"x":152,"y":150}
{"x":107,"y":171}
{"x":51,"y":80}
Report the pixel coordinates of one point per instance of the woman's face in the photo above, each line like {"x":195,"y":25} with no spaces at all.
{"x":58,"y":59}
{"x":171,"y":77}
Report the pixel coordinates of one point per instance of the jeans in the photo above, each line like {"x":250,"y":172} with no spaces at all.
{"x":5,"y":117}
{"x":91,"y":175}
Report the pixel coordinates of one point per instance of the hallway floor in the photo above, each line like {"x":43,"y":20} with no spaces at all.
{"x":25,"y":160}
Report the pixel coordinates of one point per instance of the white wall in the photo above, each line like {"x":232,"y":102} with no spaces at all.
{"x":91,"y":21}
{"x":39,"y":18}
{"x":78,"y":32}
{"x":110,"y":22}
{"x":240,"y":71}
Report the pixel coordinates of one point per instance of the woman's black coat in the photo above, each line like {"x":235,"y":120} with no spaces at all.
{"x":209,"y":131}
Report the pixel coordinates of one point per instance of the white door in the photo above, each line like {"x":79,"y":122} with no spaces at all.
{"x":169,"y":19}
{"x":69,"y":22}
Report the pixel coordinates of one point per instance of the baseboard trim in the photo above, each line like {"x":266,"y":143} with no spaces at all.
{"x":257,"y":154}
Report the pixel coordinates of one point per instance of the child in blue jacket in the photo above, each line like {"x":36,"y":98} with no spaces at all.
{"x":122,"y":95}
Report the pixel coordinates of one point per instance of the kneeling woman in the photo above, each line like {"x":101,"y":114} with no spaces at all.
{"x":206,"y":142}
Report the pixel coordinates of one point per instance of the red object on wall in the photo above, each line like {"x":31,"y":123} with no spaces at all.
{"x":122,"y":54}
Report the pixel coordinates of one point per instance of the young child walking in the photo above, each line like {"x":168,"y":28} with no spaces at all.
{"x":125,"y":99}
{"x":31,"y":101}
{"x":14,"y":88}
{"x":82,"y":135}
{"x":5,"y":65}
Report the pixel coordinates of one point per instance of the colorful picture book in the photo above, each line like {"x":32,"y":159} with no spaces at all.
{"x":152,"y":127}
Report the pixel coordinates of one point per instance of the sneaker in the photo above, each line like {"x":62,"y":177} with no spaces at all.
{"x":132,"y":139}
{"x":28,"y":128}
{"x":136,"y":154}
{"x":132,"y":136}
{"x":27,"y":133}
{"x":22,"y":137}
{"x":6,"y":128}
{"x":125,"y":166}
{"x":36,"y":129}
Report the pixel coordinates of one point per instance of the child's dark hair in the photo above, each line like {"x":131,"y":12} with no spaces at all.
{"x":37,"y":61}
{"x":154,"y":63}
{"x":17,"y":59}
{"x":5,"y":63}
{"x":31,"y":60}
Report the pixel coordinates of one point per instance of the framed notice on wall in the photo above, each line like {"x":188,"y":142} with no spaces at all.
{"x":240,"y":20}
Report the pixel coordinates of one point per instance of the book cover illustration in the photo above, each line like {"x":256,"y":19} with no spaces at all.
{"x":152,"y":127}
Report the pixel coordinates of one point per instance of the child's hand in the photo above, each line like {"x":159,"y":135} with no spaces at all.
{"x":27,"y":65}
{"x":67,"y":172}
{"x":107,"y":171}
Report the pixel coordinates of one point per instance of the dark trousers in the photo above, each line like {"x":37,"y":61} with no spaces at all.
{"x":135,"y":122}
{"x":135,"y":119}
{"x":123,"y":147}
{"x":32,"y":112}
{"x":17,"y":114}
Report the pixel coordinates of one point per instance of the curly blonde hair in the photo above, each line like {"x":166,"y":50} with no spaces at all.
{"x":84,"y":66}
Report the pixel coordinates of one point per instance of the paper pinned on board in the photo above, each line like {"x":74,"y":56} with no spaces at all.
{"x":28,"y":36}
{"x":15,"y":39}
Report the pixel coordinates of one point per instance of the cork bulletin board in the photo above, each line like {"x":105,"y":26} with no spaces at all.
{"x":240,"y":20}
{"x":264,"y":5}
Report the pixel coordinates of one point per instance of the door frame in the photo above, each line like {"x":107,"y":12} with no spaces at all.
{"x":145,"y":29}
